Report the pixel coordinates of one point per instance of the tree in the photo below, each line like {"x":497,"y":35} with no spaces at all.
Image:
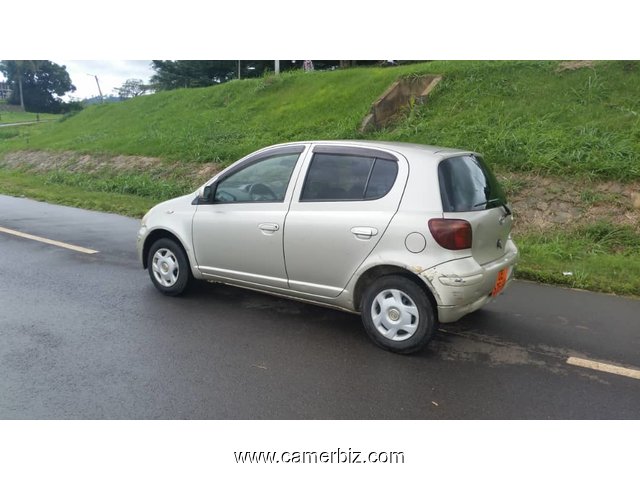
{"x":37,"y":84}
{"x":133,"y":87}
{"x":171,"y":74}
{"x":18,"y":67}
{"x":191,"y":73}
{"x":203,"y":73}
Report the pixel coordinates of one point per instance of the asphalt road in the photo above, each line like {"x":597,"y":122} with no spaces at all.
{"x":88,"y":337}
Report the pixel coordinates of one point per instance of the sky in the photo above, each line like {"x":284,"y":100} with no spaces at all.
{"x":111,"y":74}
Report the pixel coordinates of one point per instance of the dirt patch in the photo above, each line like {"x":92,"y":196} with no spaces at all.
{"x":539,"y":203}
{"x":205,"y":172}
{"x":545,"y":203}
{"x":74,"y":162}
{"x":574,"y":65}
{"x":39,"y":161}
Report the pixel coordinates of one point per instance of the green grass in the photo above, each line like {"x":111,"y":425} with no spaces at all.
{"x":145,"y":185}
{"x":40,"y":187}
{"x":601,"y":257}
{"x":220,"y":123}
{"x":9,"y":132}
{"x":524,"y":116}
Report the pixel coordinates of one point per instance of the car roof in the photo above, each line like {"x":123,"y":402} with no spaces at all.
{"x":404,"y":148}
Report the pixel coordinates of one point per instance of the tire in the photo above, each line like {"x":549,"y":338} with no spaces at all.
{"x":168,"y":267}
{"x":397,"y":314}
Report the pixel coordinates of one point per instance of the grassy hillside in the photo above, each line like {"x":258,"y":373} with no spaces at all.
{"x":220,"y":123}
{"x":524,"y":116}
{"x":566,"y":142}
{"x":532,"y":117}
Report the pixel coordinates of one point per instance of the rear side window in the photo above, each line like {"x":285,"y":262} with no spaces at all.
{"x":383,"y":176}
{"x":467,"y":184}
{"x":336,"y":177}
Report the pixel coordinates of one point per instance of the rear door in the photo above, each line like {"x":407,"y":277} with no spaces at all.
{"x":338,"y":214}
{"x":471,"y":192}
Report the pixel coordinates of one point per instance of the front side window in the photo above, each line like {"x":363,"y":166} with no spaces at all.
{"x":263,"y":181}
{"x":337,"y":177}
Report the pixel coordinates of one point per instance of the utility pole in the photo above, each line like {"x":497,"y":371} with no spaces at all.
{"x":277,"y":66}
{"x":97,"y":83}
{"x":238,"y":69}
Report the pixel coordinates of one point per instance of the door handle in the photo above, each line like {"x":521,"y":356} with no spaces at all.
{"x":364,"y":232}
{"x":269,"y":227}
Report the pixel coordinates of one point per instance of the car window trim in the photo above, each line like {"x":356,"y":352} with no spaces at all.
{"x":356,"y":151}
{"x":262,"y":156}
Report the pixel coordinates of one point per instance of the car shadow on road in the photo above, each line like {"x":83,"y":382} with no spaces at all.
{"x":257,"y":310}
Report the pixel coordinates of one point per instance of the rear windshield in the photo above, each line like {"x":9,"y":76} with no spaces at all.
{"x":467,"y":184}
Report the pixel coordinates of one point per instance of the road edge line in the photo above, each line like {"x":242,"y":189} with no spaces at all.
{"x":604,"y":367}
{"x":48,"y":241}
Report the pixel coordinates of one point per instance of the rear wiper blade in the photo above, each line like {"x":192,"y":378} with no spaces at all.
{"x":502,"y":204}
{"x":484,"y":203}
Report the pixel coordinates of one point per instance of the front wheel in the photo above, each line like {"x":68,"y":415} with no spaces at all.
{"x":397,"y":314}
{"x":168,"y":267}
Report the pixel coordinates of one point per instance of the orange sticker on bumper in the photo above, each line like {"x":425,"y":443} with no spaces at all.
{"x":501,"y":281}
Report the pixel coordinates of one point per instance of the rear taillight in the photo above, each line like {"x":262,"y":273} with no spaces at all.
{"x":451,"y":234}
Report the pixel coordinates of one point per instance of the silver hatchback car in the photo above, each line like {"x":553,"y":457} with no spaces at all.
{"x":406,"y":235}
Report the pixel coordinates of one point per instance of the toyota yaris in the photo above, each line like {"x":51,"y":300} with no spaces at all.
{"x":405,"y":235}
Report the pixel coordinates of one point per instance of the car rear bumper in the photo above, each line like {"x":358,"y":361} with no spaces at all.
{"x":463,"y":286}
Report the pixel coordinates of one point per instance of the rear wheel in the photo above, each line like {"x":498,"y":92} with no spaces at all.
{"x":168,"y":267}
{"x":397,"y":314}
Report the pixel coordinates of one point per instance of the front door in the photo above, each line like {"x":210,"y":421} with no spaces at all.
{"x":239,"y":234}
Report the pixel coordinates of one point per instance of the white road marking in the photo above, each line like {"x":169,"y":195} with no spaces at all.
{"x":604,"y":367}
{"x":48,"y":241}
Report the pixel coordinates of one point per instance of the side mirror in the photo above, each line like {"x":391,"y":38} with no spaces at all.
{"x":205,"y":195}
